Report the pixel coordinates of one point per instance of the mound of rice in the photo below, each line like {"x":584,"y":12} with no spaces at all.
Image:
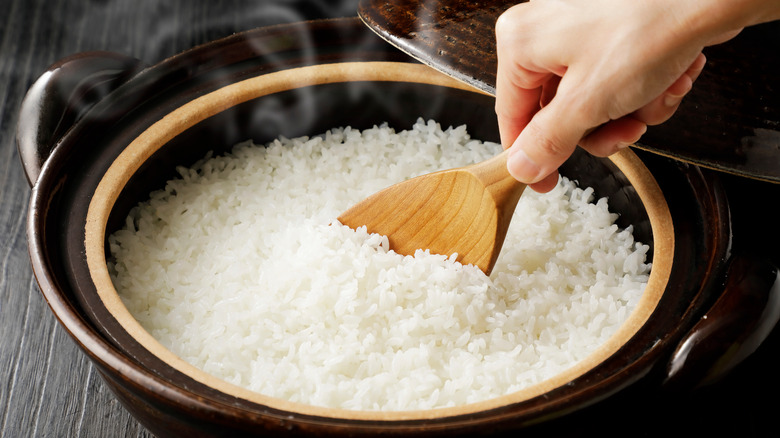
{"x":238,"y":268}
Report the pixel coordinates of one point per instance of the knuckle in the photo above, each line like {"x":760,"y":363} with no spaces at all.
{"x":547,"y":142}
{"x":507,"y":20}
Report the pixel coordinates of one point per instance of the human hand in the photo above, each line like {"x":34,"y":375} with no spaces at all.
{"x":570,"y":73}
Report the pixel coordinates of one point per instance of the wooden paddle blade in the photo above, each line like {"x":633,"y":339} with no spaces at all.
{"x":443,"y":212}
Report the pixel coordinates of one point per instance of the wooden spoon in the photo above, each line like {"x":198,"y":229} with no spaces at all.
{"x":465,"y":211}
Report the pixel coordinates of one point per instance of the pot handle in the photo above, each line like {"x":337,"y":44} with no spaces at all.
{"x":61,"y":96}
{"x":733,"y":328}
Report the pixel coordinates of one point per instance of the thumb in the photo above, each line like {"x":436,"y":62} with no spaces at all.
{"x":543,"y":145}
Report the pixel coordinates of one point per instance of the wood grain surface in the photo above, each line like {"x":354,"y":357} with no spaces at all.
{"x":48,"y":388}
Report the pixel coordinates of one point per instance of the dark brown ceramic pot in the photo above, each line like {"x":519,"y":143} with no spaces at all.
{"x":99,"y":132}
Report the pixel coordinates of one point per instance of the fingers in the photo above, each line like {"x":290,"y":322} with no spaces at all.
{"x":617,"y":134}
{"x":546,"y":184}
{"x":518,"y":85}
{"x":664,"y":106}
{"x":514,"y":108}
{"x":613,"y":136}
{"x":549,"y":95}
{"x":517,"y":99}
{"x":526,"y":81}
{"x":544,"y":144}
{"x":549,"y":88}
{"x":536,"y":152}
{"x":548,"y":138}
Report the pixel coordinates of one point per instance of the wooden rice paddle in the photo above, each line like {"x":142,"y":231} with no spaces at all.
{"x":465,"y":211}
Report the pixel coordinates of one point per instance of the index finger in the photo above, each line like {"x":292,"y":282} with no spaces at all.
{"x":518,"y":92}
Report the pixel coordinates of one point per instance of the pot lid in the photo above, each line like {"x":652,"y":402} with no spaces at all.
{"x":730,"y":121}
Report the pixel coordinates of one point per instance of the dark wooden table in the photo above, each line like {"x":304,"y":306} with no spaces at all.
{"x":47,"y":386}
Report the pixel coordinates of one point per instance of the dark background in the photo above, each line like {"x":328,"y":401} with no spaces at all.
{"x":49,"y":388}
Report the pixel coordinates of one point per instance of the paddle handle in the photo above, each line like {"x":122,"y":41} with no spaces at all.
{"x":504,"y":188}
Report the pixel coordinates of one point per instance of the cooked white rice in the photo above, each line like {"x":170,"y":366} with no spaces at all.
{"x":238,"y":268}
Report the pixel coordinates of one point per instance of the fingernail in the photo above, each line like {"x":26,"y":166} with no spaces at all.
{"x":670,"y":100}
{"x":521,"y":167}
{"x":622,"y":145}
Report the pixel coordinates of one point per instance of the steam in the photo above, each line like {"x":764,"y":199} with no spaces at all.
{"x":152,"y":30}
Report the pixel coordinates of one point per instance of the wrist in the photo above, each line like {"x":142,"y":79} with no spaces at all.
{"x":708,"y":20}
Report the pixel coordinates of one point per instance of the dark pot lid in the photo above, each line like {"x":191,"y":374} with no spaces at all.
{"x":730,"y":121}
